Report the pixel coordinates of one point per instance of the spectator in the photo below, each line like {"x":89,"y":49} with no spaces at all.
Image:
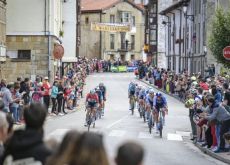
{"x":223,"y":117}
{"x":6,"y":96}
{"x":87,"y":150}
{"x":46,"y":92}
{"x":130,"y":153}
{"x":26,"y":146}
{"x":54,"y":94}
{"x":3,"y":133}
{"x":70,"y":138}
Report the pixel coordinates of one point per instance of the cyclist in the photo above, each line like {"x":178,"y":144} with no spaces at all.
{"x":141,"y":98}
{"x":91,"y":104}
{"x":100,"y":98}
{"x":103,"y":91}
{"x":149,"y":102}
{"x":158,"y":103}
{"x":131,"y":92}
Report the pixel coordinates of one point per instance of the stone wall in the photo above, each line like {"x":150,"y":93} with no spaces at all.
{"x":37,"y":65}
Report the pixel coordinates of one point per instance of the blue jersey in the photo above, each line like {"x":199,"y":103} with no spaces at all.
{"x":159,"y":103}
{"x":149,"y":100}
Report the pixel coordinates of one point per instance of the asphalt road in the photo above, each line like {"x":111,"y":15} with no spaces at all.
{"x":119,"y":126}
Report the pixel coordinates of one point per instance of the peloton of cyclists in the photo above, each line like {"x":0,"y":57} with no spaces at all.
{"x":151,"y":102}
{"x":94,"y":100}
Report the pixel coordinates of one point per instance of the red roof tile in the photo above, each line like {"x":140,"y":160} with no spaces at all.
{"x":98,"y":5}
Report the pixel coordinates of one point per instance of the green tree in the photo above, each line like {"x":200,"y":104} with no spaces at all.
{"x":219,"y":36}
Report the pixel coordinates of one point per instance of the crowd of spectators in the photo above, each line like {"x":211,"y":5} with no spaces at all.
{"x":206,"y":97}
{"x":60,"y":95}
{"x":77,"y":148}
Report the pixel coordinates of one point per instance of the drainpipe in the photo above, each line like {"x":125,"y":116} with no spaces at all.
{"x":180,"y":52}
{"x":49,"y":43}
{"x":101,"y":36}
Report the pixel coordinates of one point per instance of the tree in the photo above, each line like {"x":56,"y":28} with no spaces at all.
{"x":219,"y":37}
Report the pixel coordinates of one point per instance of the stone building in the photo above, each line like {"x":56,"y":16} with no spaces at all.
{"x":33,"y":28}
{"x":187,"y":26}
{"x":2,"y":34}
{"x":112,"y":45}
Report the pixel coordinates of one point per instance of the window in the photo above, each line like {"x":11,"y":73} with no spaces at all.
{"x":132,"y":57}
{"x":86,"y":20}
{"x":125,"y":17}
{"x":112,"y":18}
{"x":133,"y":21}
{"x":123,"y":43}
{"x":198,"y":39}
{"x":24,"y":54}
{"x":112,"y":40}
{"x":132,"y":42}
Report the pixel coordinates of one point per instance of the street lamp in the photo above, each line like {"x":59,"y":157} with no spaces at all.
{"x":185,"y":10}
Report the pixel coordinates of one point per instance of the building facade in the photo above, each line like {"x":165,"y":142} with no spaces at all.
{"x":33,"y":28}
{"x":2,"y":30}
{"x":124,"y":46}
{"x":187,"y":26}
{"x":69,"y":29}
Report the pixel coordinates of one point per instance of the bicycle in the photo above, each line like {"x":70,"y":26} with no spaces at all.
{"x":132,"y":103}
{"x":141,"y":110}
{"x":91,"y":119}
{"x":151,"y":121}
{"x":160,"y":122}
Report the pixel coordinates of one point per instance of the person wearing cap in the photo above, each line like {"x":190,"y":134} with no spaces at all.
{"x":46,"y":92}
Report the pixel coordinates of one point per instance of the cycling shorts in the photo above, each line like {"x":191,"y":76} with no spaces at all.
{"x":92,"y":104}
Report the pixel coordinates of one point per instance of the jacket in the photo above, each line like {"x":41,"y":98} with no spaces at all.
{"x":26,"y":144}
{"x":54,"y":92}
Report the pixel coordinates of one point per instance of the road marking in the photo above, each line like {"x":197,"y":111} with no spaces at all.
{"x":144,"y":135}
{"x":117,"y":133}
{"x":174,"y":137}
{"x":184,"y":134}
{"x":116,"y":122}
{"x":58,"y":134}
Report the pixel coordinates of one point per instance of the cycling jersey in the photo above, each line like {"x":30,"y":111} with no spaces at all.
{"x":142,"y":94}
{"x":92,"y":99}
{"x":132,"y":89}
{"x":103,"y":91}
{"x":159,"y":103}
{"x":149,"y":100}
{"x":100,"y":95}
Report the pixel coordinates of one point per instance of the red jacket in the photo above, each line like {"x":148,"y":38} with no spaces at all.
{"x":92,"y":97}
{"x":46,"y":87}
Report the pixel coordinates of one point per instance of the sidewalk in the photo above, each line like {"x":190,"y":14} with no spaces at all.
{"x":224,"y":157}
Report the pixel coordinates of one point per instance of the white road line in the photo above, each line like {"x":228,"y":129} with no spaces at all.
{"x":184,"y":134}
{"x":58,"y":134}
{"x":144,"y":135}
{"x":116,"y":122}
{"x":174,"y":137}
{"x":117,"y":133}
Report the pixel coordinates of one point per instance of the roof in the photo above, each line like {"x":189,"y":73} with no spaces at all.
{"x":173,"y":7}
{"x":89,"y":6}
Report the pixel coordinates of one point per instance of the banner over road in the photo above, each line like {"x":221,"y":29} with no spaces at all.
{"x":110,"y":27}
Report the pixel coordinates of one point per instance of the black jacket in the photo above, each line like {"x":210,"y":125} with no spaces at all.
{"x":27,"y":144}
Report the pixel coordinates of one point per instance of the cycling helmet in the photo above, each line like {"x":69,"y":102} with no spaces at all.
{"x":97,"y":88}
{"x":158,"y":94}
{"x":92,"y":91}
{"x":101,"y":84}
{"x":151,"y":91}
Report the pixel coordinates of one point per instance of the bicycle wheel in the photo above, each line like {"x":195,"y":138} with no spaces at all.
{"x":89,"y":123}
{"x":150,"y":124}
{"x":161,"y":127}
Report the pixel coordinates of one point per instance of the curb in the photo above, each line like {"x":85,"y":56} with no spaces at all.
{"x":212,"y":154}
{"x":204,"y":150}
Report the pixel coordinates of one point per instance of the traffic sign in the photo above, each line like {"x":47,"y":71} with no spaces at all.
{"x":226,"y":53}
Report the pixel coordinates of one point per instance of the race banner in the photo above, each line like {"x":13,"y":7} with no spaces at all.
{"x":109,"y":27}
